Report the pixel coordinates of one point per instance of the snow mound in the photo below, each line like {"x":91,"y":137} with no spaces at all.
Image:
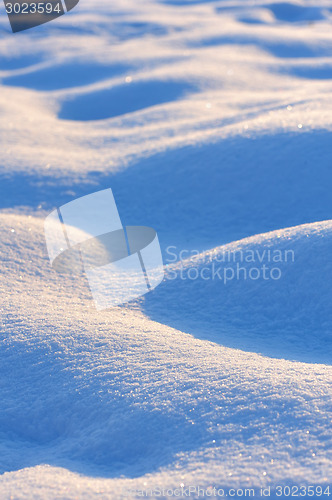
{"x":116,"y":395}
{"x":269,"y":293}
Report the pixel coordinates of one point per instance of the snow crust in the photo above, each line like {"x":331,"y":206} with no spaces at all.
{"x":210,"y":121}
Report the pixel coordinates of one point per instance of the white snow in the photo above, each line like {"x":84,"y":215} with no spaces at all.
{"x":210,"y":121}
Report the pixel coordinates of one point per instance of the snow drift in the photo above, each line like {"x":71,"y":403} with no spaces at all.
{"x":211,"y":122}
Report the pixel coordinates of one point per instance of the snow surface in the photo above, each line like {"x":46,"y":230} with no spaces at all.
{"x":210,"y":121}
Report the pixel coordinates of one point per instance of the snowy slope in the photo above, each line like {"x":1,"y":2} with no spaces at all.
{"x":113,"y":394}
{"x":210,"y":121}
{"x":269,"y":293}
